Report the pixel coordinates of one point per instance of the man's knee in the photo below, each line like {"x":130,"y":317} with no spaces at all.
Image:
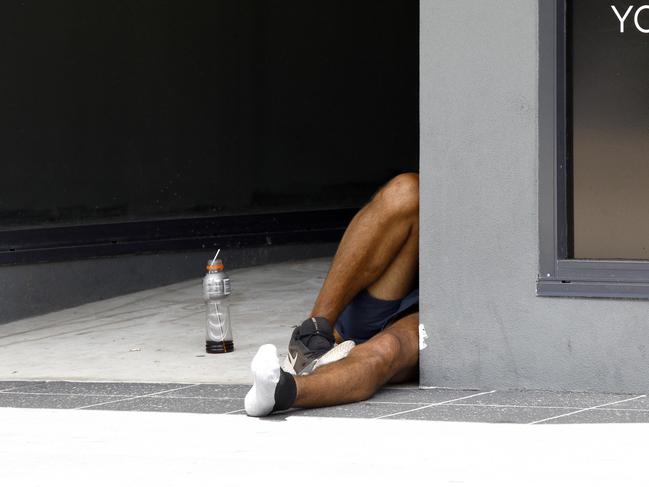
{"x":381,"y":356}
{"x":401,"y":195}
{"x":386,"y":350}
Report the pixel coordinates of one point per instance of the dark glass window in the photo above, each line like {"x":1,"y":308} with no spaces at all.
{"x":610,"y":129}
{"x":593,"y":149}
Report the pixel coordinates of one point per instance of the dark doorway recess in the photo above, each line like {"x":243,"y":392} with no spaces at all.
{"x":171,"y":125}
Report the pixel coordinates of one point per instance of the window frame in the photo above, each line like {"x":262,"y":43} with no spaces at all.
{"x":560,"y":276}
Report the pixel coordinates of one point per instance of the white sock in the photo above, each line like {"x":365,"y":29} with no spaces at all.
{"x":260,"y":399}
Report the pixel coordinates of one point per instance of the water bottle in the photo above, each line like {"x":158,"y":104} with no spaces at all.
{"x":216,"y":290}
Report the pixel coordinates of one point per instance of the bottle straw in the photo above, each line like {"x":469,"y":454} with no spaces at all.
{"x":217,"y":254}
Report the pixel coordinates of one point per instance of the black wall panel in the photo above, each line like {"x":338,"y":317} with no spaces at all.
{"x":133,"y":110}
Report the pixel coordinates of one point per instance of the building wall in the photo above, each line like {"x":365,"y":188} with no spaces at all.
{"x":479,"y":246}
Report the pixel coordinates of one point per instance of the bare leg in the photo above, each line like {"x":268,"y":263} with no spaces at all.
{"x":378,"y":252}
{"x":390,"y":356}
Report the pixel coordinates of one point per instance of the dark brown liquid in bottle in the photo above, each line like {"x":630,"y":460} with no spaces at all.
{"x":219,"y":347}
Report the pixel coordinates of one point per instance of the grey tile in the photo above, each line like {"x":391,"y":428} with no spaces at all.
{"x":47,"y":401}
{"x":548,"y":399}
{"x":420,"y":396}
{"x":356,"y":410}
{"x":604,"y":416}
{"x":212,"y":391}
{"x":98,"y":388}
{"x":404,"y":385}
{"x":481,"y":414}
{"x":8,"y":385}
{"x":175,"y":405}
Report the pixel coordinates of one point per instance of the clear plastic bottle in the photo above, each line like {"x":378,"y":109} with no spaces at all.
{"x":216,"y":290}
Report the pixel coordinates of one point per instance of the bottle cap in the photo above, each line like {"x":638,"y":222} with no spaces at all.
{"x":215,"y":265}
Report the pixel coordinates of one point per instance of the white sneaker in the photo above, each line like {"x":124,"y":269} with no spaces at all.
{"x":337,"y":353}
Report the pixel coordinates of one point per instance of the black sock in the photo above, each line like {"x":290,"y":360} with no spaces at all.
{"x":285,"y":392}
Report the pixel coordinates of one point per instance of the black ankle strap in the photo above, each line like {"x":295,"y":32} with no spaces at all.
{"x":316,"y":326}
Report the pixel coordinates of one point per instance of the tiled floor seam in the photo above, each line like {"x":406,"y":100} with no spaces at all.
{"x":227,"y":398}
{"x":406,"y":403}
{"x":126,"y":399}
{"x":468,"y":405}
{"x":450,"y":401}
{"x":515,"y":406}
{"x":235,"y":412}
{"x":600,"y":406}
{"x":624,"y":410}
{"x":10,"y":391}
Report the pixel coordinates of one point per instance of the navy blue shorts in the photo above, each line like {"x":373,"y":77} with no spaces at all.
{"x":366,"y":315}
